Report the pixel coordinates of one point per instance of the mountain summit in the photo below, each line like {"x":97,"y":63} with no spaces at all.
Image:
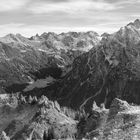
{"x":136,"y":23}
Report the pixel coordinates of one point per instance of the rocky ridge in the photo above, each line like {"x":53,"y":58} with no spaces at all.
{"x":23,"y":119}
{"x":41,"y":119}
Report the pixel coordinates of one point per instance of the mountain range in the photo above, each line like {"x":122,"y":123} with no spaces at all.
{"x":26,"y":59}
{"x":88,"y":74}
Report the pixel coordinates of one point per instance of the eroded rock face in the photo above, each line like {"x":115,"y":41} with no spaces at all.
{"x":3,"y":136}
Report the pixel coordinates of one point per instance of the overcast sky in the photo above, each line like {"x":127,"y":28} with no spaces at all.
{"x":29,"y":17}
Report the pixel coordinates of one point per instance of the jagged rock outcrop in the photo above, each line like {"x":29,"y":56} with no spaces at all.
{"x":35,"y":121}
{"x":3,"y":136}
{"x":120,"y":122}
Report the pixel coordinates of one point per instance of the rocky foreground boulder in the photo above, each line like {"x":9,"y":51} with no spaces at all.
{"x":122,"y":122}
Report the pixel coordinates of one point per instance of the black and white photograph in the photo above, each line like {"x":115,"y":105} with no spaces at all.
{"x":69,"y":69}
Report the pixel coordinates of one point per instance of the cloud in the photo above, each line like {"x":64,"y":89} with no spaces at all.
{"x":29,"y":17}
{"x":51,"y":1}
{"x":135,"y":15}
{"x":71,"y":6}
{"x":7,"y":5}
{"x":129,"y":2}
{"x":123,"y":1}
{"x":10,"y":28}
